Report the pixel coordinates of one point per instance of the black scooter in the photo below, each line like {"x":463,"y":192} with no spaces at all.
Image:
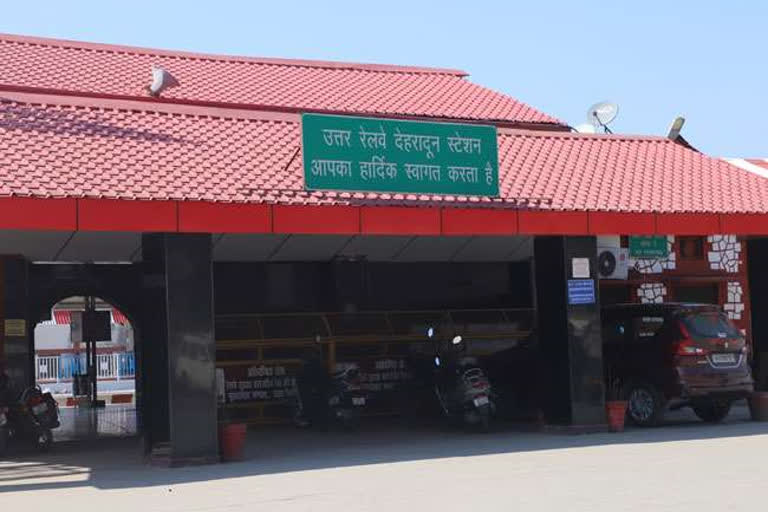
{"x":340,"y":400}
{"x":462,"y":388}
{"x":32,"y":418}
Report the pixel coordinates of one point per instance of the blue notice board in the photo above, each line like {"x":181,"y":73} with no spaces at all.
{"x":581,"y":291}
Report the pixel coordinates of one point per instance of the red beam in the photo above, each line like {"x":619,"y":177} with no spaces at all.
{"x":34,"y":213}
{"x":744,"y":224}
{"x":687,"y":224}
{"x":389,"y":220}
{"x":124,"y":215}
{"x":616,"y":223}
{"x":553,"y":223}
{"x":202,"y":217}
{"x":465,"y":221}
{"x":320,"y":220}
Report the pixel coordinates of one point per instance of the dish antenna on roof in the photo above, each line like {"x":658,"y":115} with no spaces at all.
{"x":601,"y":114}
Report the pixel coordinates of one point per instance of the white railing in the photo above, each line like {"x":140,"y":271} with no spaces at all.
{"x":117,"y":366}
{"x":47,"y":368}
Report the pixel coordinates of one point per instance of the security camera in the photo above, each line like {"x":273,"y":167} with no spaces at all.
{"x":161,"y":80}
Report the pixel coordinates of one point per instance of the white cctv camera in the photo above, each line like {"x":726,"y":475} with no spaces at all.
{"x":161,"y":80}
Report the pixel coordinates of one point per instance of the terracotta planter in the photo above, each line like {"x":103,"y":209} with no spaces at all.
{"x":232,"y":441}
{"x":616,"y":410}
{"x":758,"y":406}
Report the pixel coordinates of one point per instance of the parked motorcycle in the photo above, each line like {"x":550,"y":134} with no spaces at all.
{"x":462,"y":388}
{"x":32,"y":418}
{"x":321,"y":400}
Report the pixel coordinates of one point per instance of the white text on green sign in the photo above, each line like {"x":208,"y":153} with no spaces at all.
{"x":385,"y":155}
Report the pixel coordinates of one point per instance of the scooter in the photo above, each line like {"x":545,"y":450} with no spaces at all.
{"x":343,"y":401}
{"x":32,"y":417}
{"x":462,"y":388}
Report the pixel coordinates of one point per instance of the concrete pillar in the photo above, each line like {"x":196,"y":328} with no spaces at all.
{"x":16,"y":350}
{"x":179,"y":352}
{"x":569,"y":331}
{"x":757,"y":252}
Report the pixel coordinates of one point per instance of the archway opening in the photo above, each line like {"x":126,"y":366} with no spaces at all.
{"x":90,"y":372}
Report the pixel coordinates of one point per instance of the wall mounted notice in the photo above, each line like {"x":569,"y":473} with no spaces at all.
{"x":580,"y":268}
{"x":384,"y":155}
{"x":15,"y":327}
{"x":581,"y":291}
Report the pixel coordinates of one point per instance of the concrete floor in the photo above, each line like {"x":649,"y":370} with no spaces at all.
{"x":684,"y":466}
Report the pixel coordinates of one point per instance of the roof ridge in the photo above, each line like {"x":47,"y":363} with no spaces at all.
{"x":517,"y":132}
{"x":180,"y":54}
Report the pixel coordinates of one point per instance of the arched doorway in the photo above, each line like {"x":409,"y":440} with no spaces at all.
{"x":91,"y":376}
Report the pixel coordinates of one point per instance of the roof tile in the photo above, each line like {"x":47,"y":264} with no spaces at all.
{"x":65,"y":150}
{"x":87,"y":68}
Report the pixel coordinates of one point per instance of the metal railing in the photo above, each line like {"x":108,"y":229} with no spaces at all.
{"x":61,"y":368}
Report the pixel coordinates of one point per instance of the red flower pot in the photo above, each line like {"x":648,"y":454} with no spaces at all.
{"x":616,"y":410}
{"x":758,"y":405}
{"x":232,"y":441}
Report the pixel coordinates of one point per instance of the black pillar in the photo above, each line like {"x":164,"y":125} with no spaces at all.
{"x":757,"y":252}
{"x":179,"y":352}
{"x":18,"y":349}
{"x":570,"y":344}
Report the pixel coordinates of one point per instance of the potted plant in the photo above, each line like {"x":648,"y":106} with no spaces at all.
{"x":615,"y":404}
{"x":758,"y":402}
{"x":231,"y":433}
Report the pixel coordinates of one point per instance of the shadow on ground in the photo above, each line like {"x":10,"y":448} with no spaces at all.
{"x":118,"y":463}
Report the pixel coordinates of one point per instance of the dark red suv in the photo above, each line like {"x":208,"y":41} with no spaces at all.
{"x":669,"y":356}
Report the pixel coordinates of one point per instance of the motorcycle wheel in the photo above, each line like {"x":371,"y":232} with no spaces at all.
{"x":44,"y":440}
{"x":484,"y":425}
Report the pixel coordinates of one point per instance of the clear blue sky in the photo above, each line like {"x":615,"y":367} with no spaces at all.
{"x":657,"y":59}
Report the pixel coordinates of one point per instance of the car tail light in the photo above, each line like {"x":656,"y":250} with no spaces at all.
{"x":689,"y":348}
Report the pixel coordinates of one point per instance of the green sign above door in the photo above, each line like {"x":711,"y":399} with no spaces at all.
{"x":648,"y":247}
{"x":384,"y":155}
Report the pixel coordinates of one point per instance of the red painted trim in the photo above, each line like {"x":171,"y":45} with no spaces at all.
{"x":202,"y":217}
{"x":465,"y":221}
{"x":122,"y":215}
{"x":553,"y":222}
{"x":615,"y":223}
{"x":35,"y":213}
{"x":327,"y":220}
{"x":687,"y":224}
{"x":744,"y":224}
{"x":390,"y":220}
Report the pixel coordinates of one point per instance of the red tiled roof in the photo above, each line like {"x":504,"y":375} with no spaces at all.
{"x":70,"y":147}
{"x":62,"y":317}
{"x":293,"y":85}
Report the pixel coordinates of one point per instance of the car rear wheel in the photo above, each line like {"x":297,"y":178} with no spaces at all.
{"x":713,"y":411}
{"x":645,"y":405}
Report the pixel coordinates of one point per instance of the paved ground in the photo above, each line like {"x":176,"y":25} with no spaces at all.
{"x":683,"y":466}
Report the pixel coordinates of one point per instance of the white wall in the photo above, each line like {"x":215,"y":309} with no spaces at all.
{"x":52,"y":337}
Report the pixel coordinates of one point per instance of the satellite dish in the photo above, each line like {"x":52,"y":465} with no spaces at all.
{"x":601,"y":114}
{"x":585,"y":128}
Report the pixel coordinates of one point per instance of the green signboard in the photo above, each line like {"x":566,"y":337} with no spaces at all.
{"x":385,"y":155}
{"x":648,"y":247}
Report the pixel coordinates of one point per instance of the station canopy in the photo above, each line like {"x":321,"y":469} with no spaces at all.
{"x":84,"y":147}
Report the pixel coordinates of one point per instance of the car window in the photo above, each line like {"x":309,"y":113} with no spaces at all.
{"x":646,"y":327}
{"x":710,"y":324}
